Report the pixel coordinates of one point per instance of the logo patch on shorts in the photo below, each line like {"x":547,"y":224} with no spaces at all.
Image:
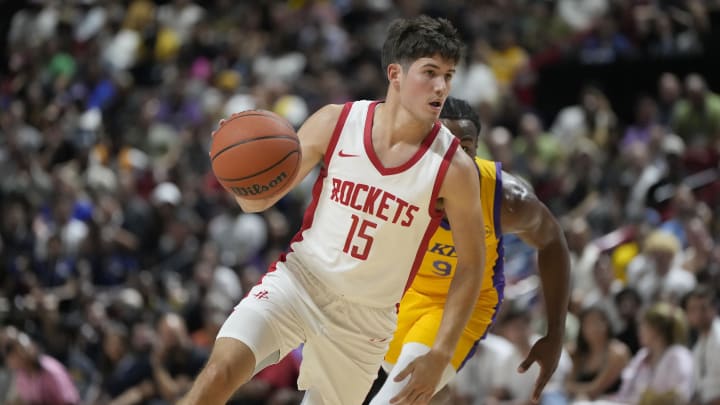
{"x":262,"y":295}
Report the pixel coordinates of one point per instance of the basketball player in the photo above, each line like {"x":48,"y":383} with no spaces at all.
{"x":389,"y":172}
{"x":509,"y":206}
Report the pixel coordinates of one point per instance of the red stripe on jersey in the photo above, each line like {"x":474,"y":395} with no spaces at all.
{"x":317,"y":187}
{"x":435,"y":214}
{"x":336,"y":133}
{"x":432,"y":227}
{"x":454,"y":146}
{"x":370,"y":149}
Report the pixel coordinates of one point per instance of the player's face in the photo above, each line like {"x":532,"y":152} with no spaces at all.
{"x":425,"y":85}
{"x":466,"y":132}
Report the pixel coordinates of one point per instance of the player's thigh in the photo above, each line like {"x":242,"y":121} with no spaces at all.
{"x":426,"y":326}
{"x":341,"y":363}
{"x":266,"y":321}
{"x":418,"y":321}
{"x":339,"y":372}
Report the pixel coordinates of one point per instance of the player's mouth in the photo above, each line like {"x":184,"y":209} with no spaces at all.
{"x":436,"y":105}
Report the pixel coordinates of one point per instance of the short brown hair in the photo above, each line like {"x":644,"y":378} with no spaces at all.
{"x":411,"y":39}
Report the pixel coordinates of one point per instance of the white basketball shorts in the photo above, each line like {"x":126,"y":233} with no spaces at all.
{"x":344,"y":342}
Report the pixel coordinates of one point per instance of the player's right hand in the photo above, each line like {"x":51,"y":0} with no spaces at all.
{"x":424,"y":372}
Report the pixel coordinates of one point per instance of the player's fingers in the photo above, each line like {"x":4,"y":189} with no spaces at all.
{"x":405,"y":372}
{"x":222,"y":122}
{"x":540,"y":383}
{"x":403,"y":396}
{"x":529,"y":360}
{"x":422,"y":398}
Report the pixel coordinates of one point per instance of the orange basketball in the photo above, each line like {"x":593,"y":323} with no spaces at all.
{"x":255,"y":154}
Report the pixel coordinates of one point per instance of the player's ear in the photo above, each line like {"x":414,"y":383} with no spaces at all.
{"x":394,"y":72}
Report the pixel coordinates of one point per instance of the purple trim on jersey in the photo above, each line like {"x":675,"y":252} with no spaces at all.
{"x":497,"y":204}
{"x":499,"y":267}
{"x":499,"y":286}
{"x":370,"y":149}
{"x":336,"y":132}
{"x":498,"y":277}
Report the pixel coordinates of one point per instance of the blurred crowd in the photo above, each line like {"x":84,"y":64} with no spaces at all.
{"x":121,"y":255}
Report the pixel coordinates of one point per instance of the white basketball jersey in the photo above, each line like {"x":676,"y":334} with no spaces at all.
{"x":367,"y":226}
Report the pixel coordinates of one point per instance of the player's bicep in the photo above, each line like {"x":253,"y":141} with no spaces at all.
{"x":525,"y":215}
{"x":461,"y":198}
{"x":315,"y":135}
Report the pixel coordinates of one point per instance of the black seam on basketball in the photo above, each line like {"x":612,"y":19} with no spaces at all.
{"x":268,"y":114}
{"x":260,"y":138}
{"x":297,"y":168}
{"x":261,"y":171}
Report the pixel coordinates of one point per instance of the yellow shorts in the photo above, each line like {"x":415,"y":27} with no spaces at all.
{"x":419,"y":319}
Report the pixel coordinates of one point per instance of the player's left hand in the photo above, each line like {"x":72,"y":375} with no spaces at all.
{"x":546,"y":352}
{"x":424,"y":372}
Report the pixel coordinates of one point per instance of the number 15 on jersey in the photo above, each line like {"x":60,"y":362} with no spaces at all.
{"x":358,"y":241}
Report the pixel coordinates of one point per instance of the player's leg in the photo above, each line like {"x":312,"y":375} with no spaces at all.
{"x":262,"y":328}
{"x":410,"y":352}
{"x":340,"y":363}
{"x":230,"y":366}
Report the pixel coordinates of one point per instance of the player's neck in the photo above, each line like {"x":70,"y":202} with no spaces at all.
{"x":394,"y":124}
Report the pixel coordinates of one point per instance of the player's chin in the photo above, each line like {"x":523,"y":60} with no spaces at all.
{"x":432,"y":113}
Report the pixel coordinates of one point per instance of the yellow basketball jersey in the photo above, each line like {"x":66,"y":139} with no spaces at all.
{"x":438,"y":266}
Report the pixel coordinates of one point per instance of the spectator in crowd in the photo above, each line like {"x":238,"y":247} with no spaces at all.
{"x":509,"y":386}
{"x":479,"y":376}
{"x":602,"y":295}
{"x":593,"y":119}
{"x":38,"y":377}
{"x":669,"y":93}
{"x":701,"y":306}
{"x":605,"y":44}
{"x":656,"y":273}
{"x":598,"y":358}
{"x":538,"y":155}
{"x":629,"y":303}
{"x":696,"y":117}
{"x":662,"y":371}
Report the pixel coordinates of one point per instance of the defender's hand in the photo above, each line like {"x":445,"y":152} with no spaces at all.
{"x":546,"y":352}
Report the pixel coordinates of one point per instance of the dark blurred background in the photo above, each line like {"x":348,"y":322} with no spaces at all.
{"x":121,"y":255}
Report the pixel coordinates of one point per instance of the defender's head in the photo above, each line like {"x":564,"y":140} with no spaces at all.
{"x":462,"y":120}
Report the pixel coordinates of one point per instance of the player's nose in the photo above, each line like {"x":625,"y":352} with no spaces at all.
{"x":440,"y":86}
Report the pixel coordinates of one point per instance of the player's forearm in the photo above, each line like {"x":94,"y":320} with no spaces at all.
{"x":461,"y":299}
{"x":554,"y":268}
{"x":212,"y":386}
{"x":250,"y":206}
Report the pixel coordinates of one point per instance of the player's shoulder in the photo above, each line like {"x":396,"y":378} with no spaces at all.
{"x":319,"y":127}
{"x":516,"y":190}
{"x":329,"y":113}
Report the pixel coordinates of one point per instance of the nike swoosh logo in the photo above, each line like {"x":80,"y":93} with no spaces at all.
{"x":343,"y":154}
